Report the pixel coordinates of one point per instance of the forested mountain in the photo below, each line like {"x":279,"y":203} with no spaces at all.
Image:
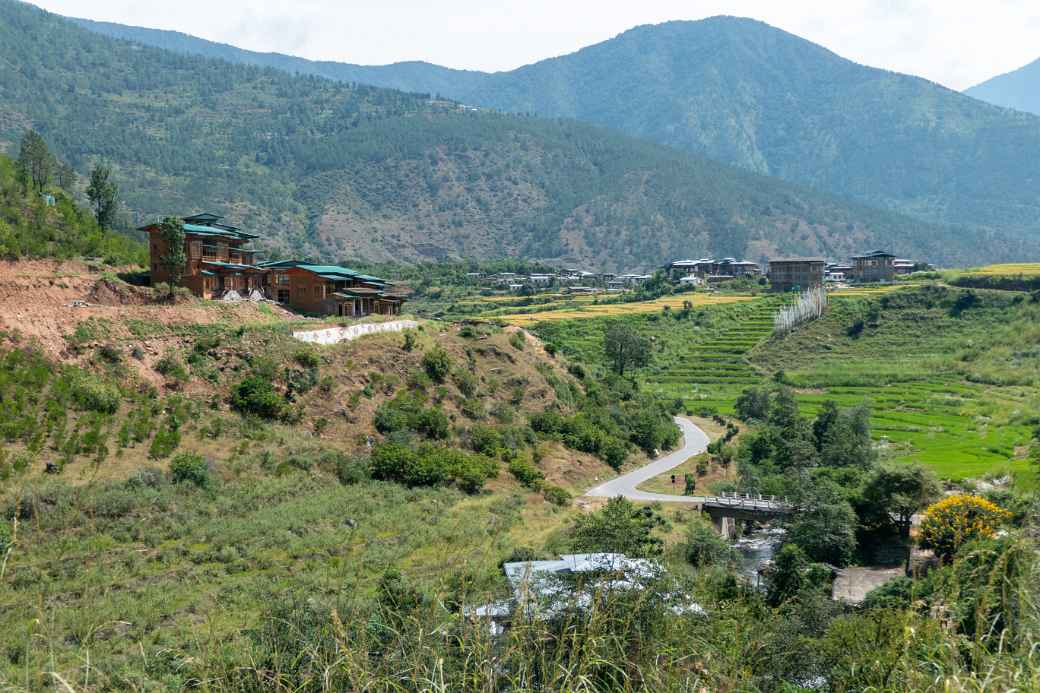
{"x":347,"y":171}
{"x":742,"y":92}
{"x":1019,"y":89}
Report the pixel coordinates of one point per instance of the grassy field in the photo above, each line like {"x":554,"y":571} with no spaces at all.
{"x":957,"y":392}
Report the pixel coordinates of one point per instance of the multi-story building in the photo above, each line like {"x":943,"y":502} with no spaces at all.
{"x":217,"y":263}
{"x":218,"y":260}
{"x":875,"y":266}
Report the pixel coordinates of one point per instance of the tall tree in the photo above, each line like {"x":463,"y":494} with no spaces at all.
{"x":103,"y":195}
{"x":171,"y":231}
{"x":625,"y":348}
{"x":35,"y":161}
{"x":894,"y":494}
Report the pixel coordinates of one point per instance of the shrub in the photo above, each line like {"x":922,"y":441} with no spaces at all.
{"x":703,"y":546}
{"x":466,"y":382}
{"x":351,"y":469}
{"x":166,"y":440}
{"x":431,"y":465}
{"x":556,"y":495}
{"x":90,"y":394}
{"x":110,"y":353}
{"x":486,"y":440}
{"x":256,"y":396}
{"x":171,"y":367}
{"x":307,"y":359}
{"x":433,"y":423}
{"x":517,"y":340}
{"x":437,"y":364}
{"x":952,"y":522}
{"x":526,"y":473}
{"x":409,"y":340}
{"x":190,"y":468}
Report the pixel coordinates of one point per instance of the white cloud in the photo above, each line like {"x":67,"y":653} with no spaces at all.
{"x":955,"y":42}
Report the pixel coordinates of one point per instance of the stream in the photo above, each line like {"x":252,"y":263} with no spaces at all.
{"x":756,"y":549}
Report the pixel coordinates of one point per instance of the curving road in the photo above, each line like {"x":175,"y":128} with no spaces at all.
{"x":695,"y":441}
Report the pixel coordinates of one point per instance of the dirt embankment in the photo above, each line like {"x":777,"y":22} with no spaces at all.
{"x":44,"y":301}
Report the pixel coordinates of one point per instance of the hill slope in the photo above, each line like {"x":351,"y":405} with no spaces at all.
{"x":348,"y":171}
{"x":1019,"y":89}
{"x":742,"y":92}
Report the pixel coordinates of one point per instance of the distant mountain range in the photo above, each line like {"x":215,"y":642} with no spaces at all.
{"x":342,"y":171}
{"x":1019,"y":89}
{"x":744,"y":93}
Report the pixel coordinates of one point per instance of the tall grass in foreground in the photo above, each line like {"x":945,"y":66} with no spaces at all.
{"x":980,"y":636}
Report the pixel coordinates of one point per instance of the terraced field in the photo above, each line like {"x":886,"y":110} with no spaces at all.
{"x":955,"y":391}
{"x":710,"y":368}
{"x":700,"y":355}
{"x":920,"y":371}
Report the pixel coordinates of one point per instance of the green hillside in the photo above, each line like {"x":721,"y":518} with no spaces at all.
{"x":1019,"y":89}
{"x":353,"y":172}
{"x":742,"y":92}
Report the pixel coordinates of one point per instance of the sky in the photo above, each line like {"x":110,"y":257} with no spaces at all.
{"x":957,"y":43}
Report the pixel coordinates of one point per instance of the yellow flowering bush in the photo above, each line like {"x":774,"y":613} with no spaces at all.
{"x":956,"y":520}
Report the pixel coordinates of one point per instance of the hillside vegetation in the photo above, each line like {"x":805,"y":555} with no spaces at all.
{"x":32,"y":228}
{"x":742,"y":92}
{"x":343,"y":171}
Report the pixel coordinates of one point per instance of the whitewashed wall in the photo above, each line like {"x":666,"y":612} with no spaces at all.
{"x":334,"y":335}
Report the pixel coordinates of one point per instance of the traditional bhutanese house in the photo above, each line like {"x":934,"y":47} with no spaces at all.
{"x":217,"y":260}
{"x":876,"y":266}
{"x":798,"y":273}
{"x":331,"y":290}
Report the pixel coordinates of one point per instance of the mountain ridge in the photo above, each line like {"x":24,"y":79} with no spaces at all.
{"x":742,"y":92}
{"x":355,"y":172}
{"x":1018,"y":89}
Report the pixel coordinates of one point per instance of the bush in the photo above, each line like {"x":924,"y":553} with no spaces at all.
{"x":256,"y":396}
{"x":556,"y":495}
{"x":171,"y":367}
{"x":437,"y":364}
{"x":486,"y":440}
{"x":526,"y":473}
{"x":307,"y":359}
{"x":704,"y":547}
{"x":956,"y":520}
{"x":431,"y":465}
{"x":517,"y":340}
{"x":466,"y":382}
{"x":90,"y":394}
{"x":433,"y":423}
{"x":190,"y":468}
{"x":351,"y":469}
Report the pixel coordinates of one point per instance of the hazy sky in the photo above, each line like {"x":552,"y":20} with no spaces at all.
{"x":955,"y":42}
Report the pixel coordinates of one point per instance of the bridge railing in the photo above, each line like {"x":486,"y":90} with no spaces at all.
{"x":749,"y":501}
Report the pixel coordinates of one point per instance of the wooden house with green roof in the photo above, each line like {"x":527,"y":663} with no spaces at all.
{"x":218,"y":262}
{"x":331,"y":290}
{"x":218,"y":257}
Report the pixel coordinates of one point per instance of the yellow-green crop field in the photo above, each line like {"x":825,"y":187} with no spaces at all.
{"x":1026,"y":269}
{"x":621,"y":309}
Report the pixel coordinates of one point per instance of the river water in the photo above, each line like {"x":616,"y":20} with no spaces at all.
{"x":756,"y":549}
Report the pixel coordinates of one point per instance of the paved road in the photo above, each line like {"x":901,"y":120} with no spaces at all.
{"x":695,"y":441}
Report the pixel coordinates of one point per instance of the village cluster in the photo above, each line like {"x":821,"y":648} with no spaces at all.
{"x":784,"y":274}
